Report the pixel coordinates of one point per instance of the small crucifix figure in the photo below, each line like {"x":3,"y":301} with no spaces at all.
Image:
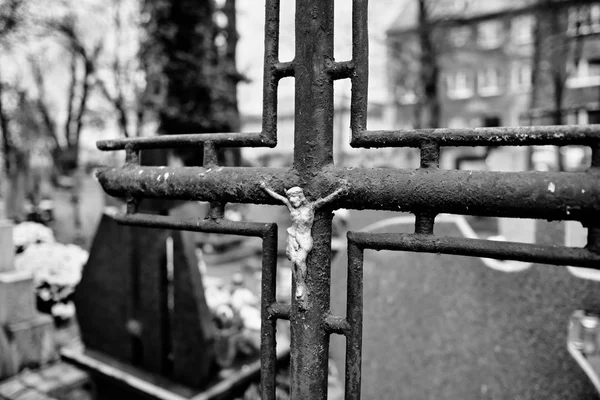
{"x":299,"y":239}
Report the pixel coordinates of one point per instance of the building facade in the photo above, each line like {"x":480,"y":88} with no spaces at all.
{"x":490,"y":73}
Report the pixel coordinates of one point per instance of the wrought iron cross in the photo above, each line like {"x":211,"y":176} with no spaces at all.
{"x":425,"y":191}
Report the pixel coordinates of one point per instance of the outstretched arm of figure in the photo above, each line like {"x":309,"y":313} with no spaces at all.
{"x":275,"y":195}
{"x":333,"y":196}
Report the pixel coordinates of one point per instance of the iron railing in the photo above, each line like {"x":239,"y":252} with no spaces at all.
{"x":426,"y":191}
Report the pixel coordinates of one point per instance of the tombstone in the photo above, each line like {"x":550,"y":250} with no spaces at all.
{"x":442,"y":326}
{"x":26,"y":336}
{"x":131,"y":308}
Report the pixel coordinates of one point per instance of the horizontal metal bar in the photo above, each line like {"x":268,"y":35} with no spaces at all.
{"x":284,"y":69}
{"x":208,"y":225}
{"x":559,"y":135}
{"x":555,"y":255}
{"x":188,"y":140}
{"x":221,"y":184}
{"x":341,"y":69}
{"x":279,"y":311}
{"x":543,"y":195}
{"x":335,"y":324}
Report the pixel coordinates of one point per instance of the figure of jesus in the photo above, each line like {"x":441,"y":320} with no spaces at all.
{"x":299,"y":238}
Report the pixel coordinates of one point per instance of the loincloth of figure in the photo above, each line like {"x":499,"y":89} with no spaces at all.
{"x":298,"y":242}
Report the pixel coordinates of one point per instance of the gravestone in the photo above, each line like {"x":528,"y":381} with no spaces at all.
{"x":451,"y":327}
{"x":26,"y":336}
{"x":132,"y":308}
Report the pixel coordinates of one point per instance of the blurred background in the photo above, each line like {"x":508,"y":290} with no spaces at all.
{"x":73,"y":72}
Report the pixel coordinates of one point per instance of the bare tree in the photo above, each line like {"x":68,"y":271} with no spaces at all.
{"x":16,"y":159}
{"x":118,"y":84}
{"x":65,"y":139}
{"x":430,"y":110}
{"x":416,"y":68}
{"x":557,"y":52}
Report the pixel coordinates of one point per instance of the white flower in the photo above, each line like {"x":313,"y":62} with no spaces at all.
{"x":53,"y":263}
{"x":62,"y":310}
{"x":242,"y":297}
{"x":251,"y":317}
{"x":215,"y":297}
{"x":28,"y":233}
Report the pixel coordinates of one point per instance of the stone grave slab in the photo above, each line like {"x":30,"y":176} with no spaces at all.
{"x":452,"y":327}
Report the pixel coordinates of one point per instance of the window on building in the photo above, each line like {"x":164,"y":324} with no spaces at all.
{"x":459,"y":85}
{"x":584,"y":19}
{"x":457,"y":123}
{"x":522,"y":29}
{"x":460,"y":35}
{"x":489,"y":82}
{"x":490,"y":34}
{"x":406,"y":95}
{"x":587,"y":73}
{"x":460,"y":6}
{"x":595,"y":17}
{"x":521,"y":76}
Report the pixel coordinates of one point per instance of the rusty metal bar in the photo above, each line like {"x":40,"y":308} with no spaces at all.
{"x":257,"y":229}
{"x":424,"y":223}
{"x":284,"y":69}
{"x":210,"y":154}
{"x":430,"y":155}
{"x":340,"y":70}
{"x":268,"y":325}
{"x":335,"y":324}
{"x":313,"y":151}
{"x":188,"y":140}
{"x":559,"y":135}
{"x":555,"y":255}
{"x":360,"y":58}
{"x":132,"y":157}
{"x":542,"y":195}
{"x":280,"y":311}
{"x":221,"y":184}
{"x":354,"y":316}
{"x":273,"y":71}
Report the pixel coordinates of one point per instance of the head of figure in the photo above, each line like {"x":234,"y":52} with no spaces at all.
{"x":296,"y":196}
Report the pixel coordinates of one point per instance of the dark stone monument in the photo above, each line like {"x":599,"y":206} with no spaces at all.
{"x":131,"y":309}
{"x":449,"y":327}
{"x":141,"y":298}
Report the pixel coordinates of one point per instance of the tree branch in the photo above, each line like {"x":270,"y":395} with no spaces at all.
{"x":71,"y":96}
{"x":42,"y":106}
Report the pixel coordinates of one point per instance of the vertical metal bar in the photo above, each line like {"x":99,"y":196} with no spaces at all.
{"x":268,"y":354}
{"x":132,"y":156}
{"x":594,"y":227}
{"x":313,"y":140}
{"x":270,"y":78}
{"x":210,"y":154}
{"x":313,"y":150}
{"x":430,"y":155}
{"x":424,"y":223}
{"x":360,"y":59}
{"x":354,"y":316}
{"x":430,"y":158}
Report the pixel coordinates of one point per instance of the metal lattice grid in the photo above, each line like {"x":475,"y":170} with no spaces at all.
{"x":426,"y":191}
